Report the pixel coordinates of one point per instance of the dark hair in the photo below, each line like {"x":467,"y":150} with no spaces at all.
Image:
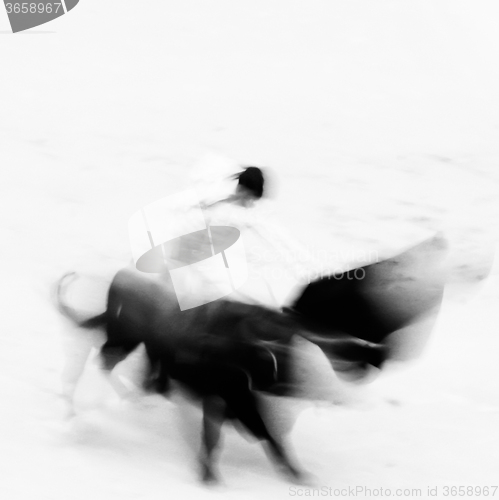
{"x":251,"y":178}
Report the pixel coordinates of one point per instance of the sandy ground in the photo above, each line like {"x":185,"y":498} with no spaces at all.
{"x":379,"y":122}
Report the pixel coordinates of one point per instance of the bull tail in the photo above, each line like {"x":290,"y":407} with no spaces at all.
{"x":71,"y":313}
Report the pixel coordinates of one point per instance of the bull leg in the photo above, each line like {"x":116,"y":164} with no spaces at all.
{"x":111,"y":354}
{"x":77,"y":349}
{"x":71,"y":374}
{"x":253,"y":420}
{"x":213,"y":417}
{"x":279,"y":454}
{"x":157,"y":378}
{"x":244,"y":405}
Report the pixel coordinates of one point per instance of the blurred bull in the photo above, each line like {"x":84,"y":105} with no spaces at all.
{"x":224,"y":352}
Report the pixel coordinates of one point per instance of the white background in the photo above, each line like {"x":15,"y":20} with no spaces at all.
{"x":380,"y":122}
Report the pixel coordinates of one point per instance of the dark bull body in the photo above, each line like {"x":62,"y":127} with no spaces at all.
{"x":225,"y":351}
{"x":222,"y":352}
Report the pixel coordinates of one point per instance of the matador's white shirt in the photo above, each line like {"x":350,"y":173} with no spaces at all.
{"x":274,"y":258}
